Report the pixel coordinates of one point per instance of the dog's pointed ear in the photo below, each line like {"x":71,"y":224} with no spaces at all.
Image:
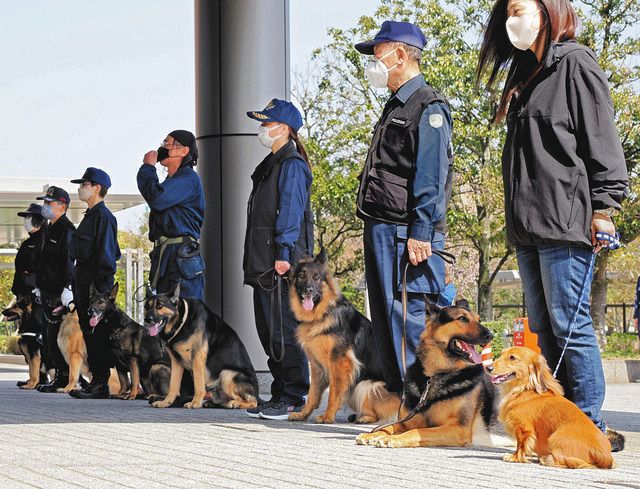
{"x":322,"y":257}
{"x":432,"y":308}
{"x":464,"y":304}
{"x":114,"y":292}
{"x":175,"y":294}
{"x":148,"y":293}
{"x":541,"y":378}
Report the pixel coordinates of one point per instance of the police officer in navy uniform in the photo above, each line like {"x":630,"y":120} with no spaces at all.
{"x":53,"y":278}
{"x":26,"y":262}
{"x":279,"y":233}
{"x":403,"y":194}
{"x":26,"y":266}
{"x":177,"y":213}
{"x":95,"y":251}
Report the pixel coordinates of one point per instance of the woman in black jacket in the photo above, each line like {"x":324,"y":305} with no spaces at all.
{"x":564,"y":177}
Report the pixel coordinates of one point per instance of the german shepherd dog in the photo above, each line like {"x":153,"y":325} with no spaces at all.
{"x":447,"y":393}
{"x":30,"y":343}
{"x":133,"y":349}
{"x":338,"y":342}
{"x":199,"y":341}
{"x":72,"y":346}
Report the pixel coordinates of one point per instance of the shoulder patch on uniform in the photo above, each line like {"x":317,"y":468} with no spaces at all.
{"x":436,"y":120}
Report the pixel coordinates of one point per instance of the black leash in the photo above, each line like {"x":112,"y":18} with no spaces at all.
{"x":418,"y":407}
{"x":275,"y":290}
{"x":448,"y":258}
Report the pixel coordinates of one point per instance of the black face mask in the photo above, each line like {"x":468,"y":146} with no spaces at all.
{"x":163,"y":153}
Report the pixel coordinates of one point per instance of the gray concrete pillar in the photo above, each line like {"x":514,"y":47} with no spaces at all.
{"x":242,"y":62}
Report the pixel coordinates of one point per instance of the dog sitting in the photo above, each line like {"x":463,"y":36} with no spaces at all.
{"x":30,"y":343}
{"x":534,"y":411}
{"x":133,"y":349}
{"x":448,"y":396}
{"x":338,"y":342}
{"x":199,"y":341}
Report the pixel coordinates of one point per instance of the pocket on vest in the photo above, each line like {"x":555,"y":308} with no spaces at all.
{"x":189,"y":261}
{"x":263,"y":255}
{"x":385,"y":191}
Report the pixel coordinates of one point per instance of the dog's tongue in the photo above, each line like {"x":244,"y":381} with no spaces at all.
{"x":471,"y":350}
{"x":94,"y":320}
{"x":307,"y":303}
{"x":154,"y":329}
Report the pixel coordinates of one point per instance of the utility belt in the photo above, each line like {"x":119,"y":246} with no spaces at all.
{"x":189,"y":261}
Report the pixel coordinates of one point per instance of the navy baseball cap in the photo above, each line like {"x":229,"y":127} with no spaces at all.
{"x":392,"y":31}
{"x":94,"y":175}
{"x":33,"y":210}
{"x":57,"y":194}
{"x":279,"y":111}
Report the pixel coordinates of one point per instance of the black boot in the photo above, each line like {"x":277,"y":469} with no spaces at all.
{"x":98,"y":388}
{"x":60,"y":381}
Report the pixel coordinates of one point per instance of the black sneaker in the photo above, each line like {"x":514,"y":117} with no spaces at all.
{"x":97,"y":389}
{"x":279,"y":410}
{"x":262,"y":405}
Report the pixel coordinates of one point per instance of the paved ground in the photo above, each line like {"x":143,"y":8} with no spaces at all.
{"x":53,"y":440}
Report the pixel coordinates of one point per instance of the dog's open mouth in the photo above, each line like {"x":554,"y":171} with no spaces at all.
{"x":500,"y":379}
{"x":58,"y":311}
{"x":94,"y":320}
{"x":154,"y":328}
{"x":307,"y":302}
{"x":466,"y":351}
{"x":11,"y":316}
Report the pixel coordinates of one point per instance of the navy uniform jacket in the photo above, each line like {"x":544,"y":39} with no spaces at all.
{"x":177,"y":208}
{"x":26,"y":263}
{"x":294,"y":184}
{"x":94,"y":247}
{"x":177,"y":204}
{"x":55,"y":268}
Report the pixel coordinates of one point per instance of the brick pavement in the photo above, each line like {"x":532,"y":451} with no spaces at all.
{"x":53,"y":440}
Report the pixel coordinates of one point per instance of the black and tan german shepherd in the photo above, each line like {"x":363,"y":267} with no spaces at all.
{"x":199,"y":341}
{"x":133,"y":349}
{"x":30,"y":343}
{"x":459,"y":401}
{"x":339,"y":344}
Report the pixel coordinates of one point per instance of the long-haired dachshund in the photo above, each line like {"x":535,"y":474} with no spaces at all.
{"x":534,"y":411}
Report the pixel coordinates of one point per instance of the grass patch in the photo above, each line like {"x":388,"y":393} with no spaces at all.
{"x":622,"y":345}
{"x":9,"y":345}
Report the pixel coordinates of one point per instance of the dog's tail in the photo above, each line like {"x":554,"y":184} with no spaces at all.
{"x":616,"y":439}
{"x":373,"y":403}
{"x":601,"y":460}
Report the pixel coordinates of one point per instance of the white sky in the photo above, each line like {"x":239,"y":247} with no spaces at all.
{"x":99,"y":83}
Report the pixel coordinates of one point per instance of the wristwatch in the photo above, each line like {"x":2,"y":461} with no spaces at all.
{"x":609,"y":212}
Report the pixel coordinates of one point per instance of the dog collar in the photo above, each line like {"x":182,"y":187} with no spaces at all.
{"x":184,"y":320}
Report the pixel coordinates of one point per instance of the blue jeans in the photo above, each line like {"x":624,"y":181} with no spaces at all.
{"x":552,"y":277}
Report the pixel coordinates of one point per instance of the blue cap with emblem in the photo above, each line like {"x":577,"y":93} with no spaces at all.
{"x":279,"y":111}
{"x":56,"y":194}
{"x":392,"y":31}
{"x":94,"y":175}
{"x":34,"y":209}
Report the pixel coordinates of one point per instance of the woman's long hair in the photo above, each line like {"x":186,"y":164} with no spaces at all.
{"x":299,"y":146}
{"x":497,"y":54}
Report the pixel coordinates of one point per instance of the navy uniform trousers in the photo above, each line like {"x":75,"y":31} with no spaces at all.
{"x":385,"y":258}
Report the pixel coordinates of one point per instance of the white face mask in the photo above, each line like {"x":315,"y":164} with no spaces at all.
{"x":377,"y":73}
{"x":85,"y":193}
{"x":28,"y":225}
{"x":263,"y":135}
{"x":521,"y":30}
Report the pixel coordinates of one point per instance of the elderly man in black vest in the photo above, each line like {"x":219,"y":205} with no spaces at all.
{"x":403,"y":195}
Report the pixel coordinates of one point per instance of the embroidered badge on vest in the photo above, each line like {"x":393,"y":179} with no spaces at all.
{"x":436,"y":120}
